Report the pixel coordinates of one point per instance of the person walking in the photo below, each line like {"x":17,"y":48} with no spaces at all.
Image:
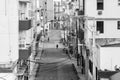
{"x":48,"y":39}
{"x":57,"y":46}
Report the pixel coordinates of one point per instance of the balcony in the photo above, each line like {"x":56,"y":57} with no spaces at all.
{"x":7,"y":67}
{"x":24,"y":1}
{"x":24,"y":53}
{"x":24,"y":25}
{"x":21,"y":69}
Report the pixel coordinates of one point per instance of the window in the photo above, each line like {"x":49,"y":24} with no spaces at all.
{"x":119,"y":2}
{"x":100,"y":26}
{"x":118,"y":24}
{"x":55,"y":17}
{"x":21,"y":45}
{"x":96,"y":73}
{"x":45,"y":2}
{"x":91,"y":66}
{"x":99,"y":4}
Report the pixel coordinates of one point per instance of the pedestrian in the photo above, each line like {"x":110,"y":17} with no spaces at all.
{"x":66,"y":51}
{"x":48,"y":39}
{"x":57,"y":46}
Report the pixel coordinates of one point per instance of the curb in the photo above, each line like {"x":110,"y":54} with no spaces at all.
{"x":74,"y":67}
{"x":36,"y":65}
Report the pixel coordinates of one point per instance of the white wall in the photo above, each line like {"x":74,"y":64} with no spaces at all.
{"x":8,"y":30}
{"x":96,"y":61}
{"x":26,"y":37}
{"x":109,"y":57}
{"x":50,"y":10}
{"x":110,"y":29}
{"x":95,"y":58}
{"x":110,"y":16}
{"x":111,"y":9}
{"x":7,"y":76}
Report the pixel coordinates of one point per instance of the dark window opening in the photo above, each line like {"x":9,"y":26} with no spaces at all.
{"x":96,"y":73}
{"x":72,"y":0}
{"x":21,"y":45}
{"x":45,"y":2}
{"x":100,"y":26}
{"x":83,"y":64}
{"x":118,"y":24}
{"x":119,"y":2}
{"x":100,"y":4}
{"x":55,"y":17}
{"x":91,"y":66}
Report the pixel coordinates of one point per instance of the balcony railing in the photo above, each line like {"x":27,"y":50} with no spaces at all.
{"x":7,"y":67}
{"x":24,"y":25}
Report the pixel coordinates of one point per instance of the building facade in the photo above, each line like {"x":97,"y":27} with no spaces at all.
{"x":50,"y":14}
{"x":25,"y":39}
{"x":86,"y":51}
{"x":102,"y":22}
{"x":111,"y":52}
{"x":104,"y":18}
{"x":8,"y":39}
{"x":58,"y":13}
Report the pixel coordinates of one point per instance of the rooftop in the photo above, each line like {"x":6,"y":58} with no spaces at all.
{"x":108,"y":42}
{"x":106,"y":74}
{"x":112,"y":45}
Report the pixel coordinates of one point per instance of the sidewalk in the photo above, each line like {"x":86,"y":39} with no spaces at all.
{"x":76,"y":68}
{"x":35,"y":65}
{"x":32,"y":76}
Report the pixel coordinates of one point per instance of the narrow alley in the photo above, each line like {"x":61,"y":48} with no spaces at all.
{"x":60,"y":40}
{"x":54,"y":63}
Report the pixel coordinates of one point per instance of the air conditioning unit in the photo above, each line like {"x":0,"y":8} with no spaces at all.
{"x":99,"y":12}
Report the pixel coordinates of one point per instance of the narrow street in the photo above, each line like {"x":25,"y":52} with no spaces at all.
{"x":54,"y":63}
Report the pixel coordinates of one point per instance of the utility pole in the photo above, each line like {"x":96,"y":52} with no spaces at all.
{"x":85,"y":19}
{"x":77,"y":42}
{"x":86,"y":50}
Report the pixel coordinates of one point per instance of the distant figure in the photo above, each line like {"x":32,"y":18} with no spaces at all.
{"x":48,"y":39}
{"x":57,"y":46}
{"x":66,"y":51}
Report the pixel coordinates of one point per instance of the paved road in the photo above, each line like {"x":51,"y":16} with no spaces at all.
{"x":56,"y":65}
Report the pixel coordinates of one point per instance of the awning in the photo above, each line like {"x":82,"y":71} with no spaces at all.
{"x":6,"y":70}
